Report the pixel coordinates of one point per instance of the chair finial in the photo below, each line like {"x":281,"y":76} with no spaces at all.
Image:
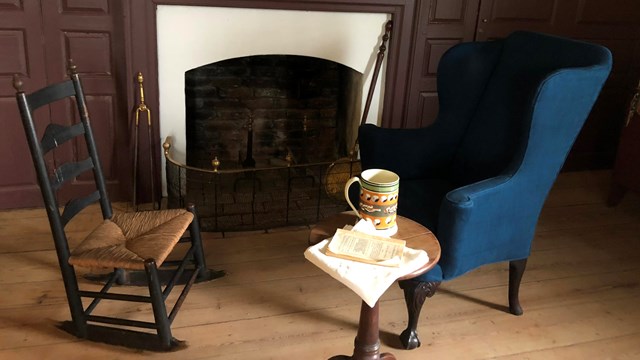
{"x":71,"y":67}
{"x":17,"y":82}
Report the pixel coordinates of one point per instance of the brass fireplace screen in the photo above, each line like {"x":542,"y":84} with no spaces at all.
{"x":259,"y":198}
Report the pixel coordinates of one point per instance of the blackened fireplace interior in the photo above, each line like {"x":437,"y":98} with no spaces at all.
{"x":274,"y":124}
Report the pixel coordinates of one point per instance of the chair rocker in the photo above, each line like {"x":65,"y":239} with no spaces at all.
{"x":124,"y":241}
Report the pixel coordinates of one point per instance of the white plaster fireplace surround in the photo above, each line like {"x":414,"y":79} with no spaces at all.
{"x":192,"y":36}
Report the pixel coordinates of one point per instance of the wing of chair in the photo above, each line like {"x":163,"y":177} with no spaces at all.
{"x":509,"y":113}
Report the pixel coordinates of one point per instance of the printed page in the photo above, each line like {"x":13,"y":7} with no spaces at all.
{"x":366,"y":248}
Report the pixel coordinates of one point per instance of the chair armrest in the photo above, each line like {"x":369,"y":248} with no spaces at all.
{"x":410,"y":153}
{"x":466,"y":195}
{"x":488,"y":221}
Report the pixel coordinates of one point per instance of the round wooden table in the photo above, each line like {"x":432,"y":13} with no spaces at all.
{"x":367,"y":342}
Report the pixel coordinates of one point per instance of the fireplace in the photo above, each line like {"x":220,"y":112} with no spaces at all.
{"x":289,"y":183}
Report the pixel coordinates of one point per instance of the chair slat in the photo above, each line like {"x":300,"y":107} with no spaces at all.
{"x":50,"y":94}
{"x":56,"y":134}
{"x":69,"y":171}
{"x":74,"y":206}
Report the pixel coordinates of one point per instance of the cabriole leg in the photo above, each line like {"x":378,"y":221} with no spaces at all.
{"x":516,"y":270}
{"x":415,"y":293}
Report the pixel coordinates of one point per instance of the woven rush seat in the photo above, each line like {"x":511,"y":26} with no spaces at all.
{"x":128,"y":239}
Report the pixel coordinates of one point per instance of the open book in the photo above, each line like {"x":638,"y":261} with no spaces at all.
{"x":366,"y":248}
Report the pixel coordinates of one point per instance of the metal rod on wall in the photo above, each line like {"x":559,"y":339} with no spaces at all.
{"x":376,"y":69}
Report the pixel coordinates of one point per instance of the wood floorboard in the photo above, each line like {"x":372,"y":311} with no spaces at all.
{"x":625,"y":348}
{"x":579,"y":294}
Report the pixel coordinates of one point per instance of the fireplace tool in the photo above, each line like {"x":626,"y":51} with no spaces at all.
{"x":143,"y":109}
{"x":344,"y":168}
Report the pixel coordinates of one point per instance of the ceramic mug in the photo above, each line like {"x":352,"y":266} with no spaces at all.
{"x":378,"y":197}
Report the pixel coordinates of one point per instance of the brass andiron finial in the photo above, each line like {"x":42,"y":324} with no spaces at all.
{"x":289,"y":158}
{"x":250,"y":123}
{"x":215,"y":163}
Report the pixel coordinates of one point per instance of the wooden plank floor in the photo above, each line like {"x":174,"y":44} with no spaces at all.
{"x":580,"y":294}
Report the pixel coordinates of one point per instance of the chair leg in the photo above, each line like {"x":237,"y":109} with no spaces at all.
{"x":516,"y":270}
{"x":196,"y":243}
{"x":415,"y":293}
{"x":73,"y":297}
{"x":163,"y":325}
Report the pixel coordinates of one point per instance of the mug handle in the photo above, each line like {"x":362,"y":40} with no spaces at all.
{"x":346,"y":193}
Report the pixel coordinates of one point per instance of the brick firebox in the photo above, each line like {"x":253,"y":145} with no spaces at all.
{"x":297,"y":104}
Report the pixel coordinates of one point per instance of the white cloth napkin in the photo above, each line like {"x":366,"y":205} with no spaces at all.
{"x":367,"y":280}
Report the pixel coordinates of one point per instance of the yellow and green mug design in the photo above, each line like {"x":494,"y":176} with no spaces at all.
{"x":378,"y":197}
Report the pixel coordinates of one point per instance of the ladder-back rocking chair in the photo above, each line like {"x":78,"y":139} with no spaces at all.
{"x":130,"y":241}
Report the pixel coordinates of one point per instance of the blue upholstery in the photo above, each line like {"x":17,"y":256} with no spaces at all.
{"x":509,"y":113}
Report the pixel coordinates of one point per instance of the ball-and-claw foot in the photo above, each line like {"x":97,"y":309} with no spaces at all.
{"x":409,"y":339}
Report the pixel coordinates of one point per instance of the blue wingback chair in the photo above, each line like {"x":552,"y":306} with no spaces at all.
{"x":509,"y":113}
